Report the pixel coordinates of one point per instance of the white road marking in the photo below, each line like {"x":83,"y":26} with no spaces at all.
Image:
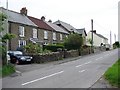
{"x":98,"y":58}
{"x":42,"y":78}
{"x":81,"y":71}
{"x":88,"y":62}
{"x":83,"y":64}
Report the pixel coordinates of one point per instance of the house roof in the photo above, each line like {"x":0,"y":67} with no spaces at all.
{"x":81,"y":31}
{"x":67,"y":26}
{"x":17,"y":17}
{"x":101,"y":36}
{"x":41,"y":24}
{"x":57,"y":28}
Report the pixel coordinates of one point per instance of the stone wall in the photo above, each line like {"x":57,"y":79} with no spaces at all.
{"x":54,"y":56}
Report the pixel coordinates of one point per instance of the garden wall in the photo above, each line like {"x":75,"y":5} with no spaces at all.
{"x":54,"y":56}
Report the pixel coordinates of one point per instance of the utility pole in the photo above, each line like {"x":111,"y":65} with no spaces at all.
{"x":110,"y":40}
{"x":92,"y":33}
{"x":7,"y":27}
{"x":115,"y":37}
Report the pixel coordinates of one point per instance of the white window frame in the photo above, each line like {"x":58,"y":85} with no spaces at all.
{"x":61,"y":37}
{"x":21,"y":31}
{"x":35,"y":33}
{"x":45,"y":35}
{"x":54,"y":35}
{"x":21,"y":41}
{"x":66,"y":36}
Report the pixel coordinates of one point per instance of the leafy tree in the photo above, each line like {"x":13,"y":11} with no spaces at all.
{"x":73,"y":42}
{"x":116,"y":44}
{"x":4,"y":38}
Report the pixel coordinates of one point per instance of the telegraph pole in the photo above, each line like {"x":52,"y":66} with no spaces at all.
{"x":115,"y":37}
{"x":7,"y":28}
{"x":110,"y":40}
{"x":92,"y":33}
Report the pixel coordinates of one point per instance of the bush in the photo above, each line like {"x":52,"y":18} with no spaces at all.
{"x":33,"y":48}
{"x":53,"y":47}
{"x":73,"y":42}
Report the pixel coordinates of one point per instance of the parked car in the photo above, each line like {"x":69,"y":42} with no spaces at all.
{"x":17,"y":57}
{"x":107,"y":47}
{"x":8,"y":57}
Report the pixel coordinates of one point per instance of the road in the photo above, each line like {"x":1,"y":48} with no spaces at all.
{"x":81,"y":73}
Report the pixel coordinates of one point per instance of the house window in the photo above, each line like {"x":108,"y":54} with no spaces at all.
{"x":61,"y":37}
{"x":34,"y":33}
{"x":54,"y":36}
{"x":21,"y":31}
{"x":22,"y":43}
{"x":66,"y":36}
{"x":45,"y":35}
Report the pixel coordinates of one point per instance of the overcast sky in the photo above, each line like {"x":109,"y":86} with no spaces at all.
{"x":78,"y":13}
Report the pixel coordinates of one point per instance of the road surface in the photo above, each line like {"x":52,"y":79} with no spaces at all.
{"x":81,"y":73}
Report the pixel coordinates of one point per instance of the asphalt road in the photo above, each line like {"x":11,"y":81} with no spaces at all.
{"x":81,"y":73}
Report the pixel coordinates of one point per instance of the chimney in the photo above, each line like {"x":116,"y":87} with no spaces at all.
{"x":50,"y":21}
{"x":94,"y":31}
{"x":23,"y":11}
{"x":43,"y":18}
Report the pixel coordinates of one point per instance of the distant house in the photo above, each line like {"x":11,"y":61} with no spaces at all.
{"x":83,"y":33}
{"x":20,"y":25}
{"x":98,"y":39}
{"x":59,"y":34}
{"x":66,"y":26}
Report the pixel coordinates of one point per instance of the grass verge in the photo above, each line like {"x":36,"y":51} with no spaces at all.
{"x":112,"y":74}
{"x":7,"y":70}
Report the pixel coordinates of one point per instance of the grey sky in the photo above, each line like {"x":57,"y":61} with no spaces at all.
{"x":78,"y":13}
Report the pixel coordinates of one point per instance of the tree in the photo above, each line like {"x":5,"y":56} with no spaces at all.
{"x":73,"y":42}
{"x":116,"y":44}
{"x":4,"y":38}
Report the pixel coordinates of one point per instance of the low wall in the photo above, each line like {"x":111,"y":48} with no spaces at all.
{"x":54,"y":56}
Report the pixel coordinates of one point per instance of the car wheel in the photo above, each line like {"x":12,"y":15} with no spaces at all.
{"x":17,"y":62}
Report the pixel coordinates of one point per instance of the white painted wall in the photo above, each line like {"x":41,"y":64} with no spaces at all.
{"x":96,"y":39}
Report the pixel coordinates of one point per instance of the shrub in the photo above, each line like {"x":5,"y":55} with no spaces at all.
{"x":53,"y":47}
{"x":73,"y":42}
{"x":33,"y":48}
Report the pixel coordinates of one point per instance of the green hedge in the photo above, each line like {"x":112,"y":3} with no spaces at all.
{"x":53,"y":48}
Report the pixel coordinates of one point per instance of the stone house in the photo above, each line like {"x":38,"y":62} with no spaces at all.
{"x":30,"y":29}
{"x":69,"y":28}
{"x":20,"y":25}
{"x":59,"y":34}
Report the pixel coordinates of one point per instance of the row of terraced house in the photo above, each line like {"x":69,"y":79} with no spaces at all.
{"x":30,"y":29}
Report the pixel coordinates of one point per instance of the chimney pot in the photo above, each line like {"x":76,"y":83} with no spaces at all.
{"x":43,"y":18}
{"x":50,"y":21}
{"x":23,"y":11}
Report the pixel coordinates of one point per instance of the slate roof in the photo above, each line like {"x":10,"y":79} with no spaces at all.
{"x":67,"y":26}
{"x":17,"y":17}
{"x":41,"y":24}
{"x":57,"y":28}
{"x":81,"y":31}
{"x":101,"y":36}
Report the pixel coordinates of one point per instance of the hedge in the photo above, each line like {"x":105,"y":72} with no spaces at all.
{"x":53,"y":48}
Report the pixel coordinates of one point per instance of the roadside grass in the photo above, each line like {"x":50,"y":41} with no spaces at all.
{"x":112,"y":74}
{"x":7,"y":70}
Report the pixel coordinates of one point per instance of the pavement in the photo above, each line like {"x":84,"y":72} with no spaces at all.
{"x":80,"y":72}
